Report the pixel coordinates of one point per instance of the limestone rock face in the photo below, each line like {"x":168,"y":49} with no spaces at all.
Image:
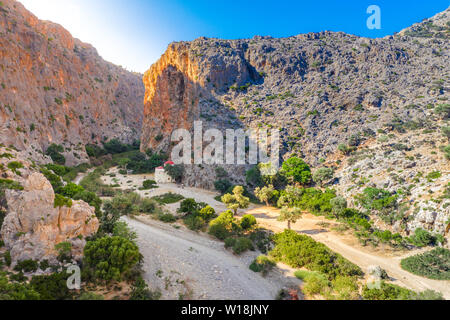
{"x":33,"y":226}
{"x":56,"y":89}
{"x":320,"y":90}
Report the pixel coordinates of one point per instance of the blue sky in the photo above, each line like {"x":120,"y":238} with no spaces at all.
{"x":134,"y":33}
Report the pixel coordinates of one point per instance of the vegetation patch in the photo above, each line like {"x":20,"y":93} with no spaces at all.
{"x":434,"y":264}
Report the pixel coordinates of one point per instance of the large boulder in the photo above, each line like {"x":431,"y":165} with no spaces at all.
{"x":33,"y":226}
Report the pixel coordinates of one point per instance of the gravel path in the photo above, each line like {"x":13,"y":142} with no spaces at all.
{"x":184,"y":264}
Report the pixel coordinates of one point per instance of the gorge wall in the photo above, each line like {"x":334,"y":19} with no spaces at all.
{"x":326,"y":93}
{"x":57,"y":89}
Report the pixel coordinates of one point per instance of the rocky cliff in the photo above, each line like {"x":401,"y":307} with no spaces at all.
{"x":31,"y":225}
{"x":380,"y":100}
{"x":57,"y":89}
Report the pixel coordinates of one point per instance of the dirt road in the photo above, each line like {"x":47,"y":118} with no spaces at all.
{"x":184,"y":264}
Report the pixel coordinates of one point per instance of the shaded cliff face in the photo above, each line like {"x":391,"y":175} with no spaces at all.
{"x":56,"y":89}
{"x":319,"y":89}
{"x":181,"y":88}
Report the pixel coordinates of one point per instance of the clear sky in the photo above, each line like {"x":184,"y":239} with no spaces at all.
{"x":134,"y":33}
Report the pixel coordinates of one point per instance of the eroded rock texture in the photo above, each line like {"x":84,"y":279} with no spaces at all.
{"x":32,"y":226}
{"x":382,"y":98}
{"x":57,"y":89}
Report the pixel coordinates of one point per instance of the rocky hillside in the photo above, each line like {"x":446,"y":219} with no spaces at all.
{"x":57,"y":89}
{"x":32,"y":223}
{"x":372,"y":109}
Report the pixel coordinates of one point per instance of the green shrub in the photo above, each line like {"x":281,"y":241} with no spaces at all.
{"x":422,"y":238}
{"x":122,"y":230}
{"x":377,"y":199}
{"x":148,"y":206}
{"x":64,"y":251}
{"x":70,"y":190}
{"x":168,"y":198}
{"x":190,"y":206}
{"x":90,"y":296}
{"x":248,"y":221}
{"x":27,"y":266}
{"x":262,"y":264}
{"x":175,"y":172}
{"x":94,"y":151}
{"x":296,"y":170}
{"x":222,"y":226}
{"x":61,"y":201}
{"x":110,"y":258}
{"x":194,"y":222}
{"x":427,"y":295}
{"x":149,"y":184}
{"x":323,"y":175}
{"x":7,"y":258}
{"x":242,"y":244}
{"x":219,"y":230}
{"x":300,"y":251}
{"x":54,"y":151}
{"x":385,"y":291}
{"x":222,"y":185}
{"x":345,"y":288}
{"x":52,"y":287}
{"x":207,"y":213}
{"x":230,"y":242}
{"x":16,"y":291}
{"x":140,"y":291}
{"x":167,"y":217}
{"x":14,"y":166}
{"x":434,"y":264}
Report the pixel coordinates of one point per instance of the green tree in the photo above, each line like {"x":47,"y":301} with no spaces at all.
{"x":296,"y":170}
{"x":339,"y":204}
{"x":222,"y":185}
{"x":111,"y":258}
{"x":237,"y":200}
{"x":253,"y":177}
{"x":264,"y":194}
{"x":291,"y":215}
{"x":323,"y":175}
{"x":175,"y":172}
{"x":54,"y":151}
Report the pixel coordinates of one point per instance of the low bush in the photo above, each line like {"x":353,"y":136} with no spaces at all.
{"x":300,"y":251}
{"x":194,"y":222}
{"x":423,"y":238}
{"x":168,"y":198}
{"x":434,"y":264}
{"x":248,"y":221}
{"x":149,"y":184}
{"x":241,"y":245}
{"x":52,"y":287}
{"x":222,"y":226}
{"x":16,"y":291}
{"x":167,"y":217}
{"x":262,"y":264}
{"x":385,"y":291}
{"x":27,"y":266}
